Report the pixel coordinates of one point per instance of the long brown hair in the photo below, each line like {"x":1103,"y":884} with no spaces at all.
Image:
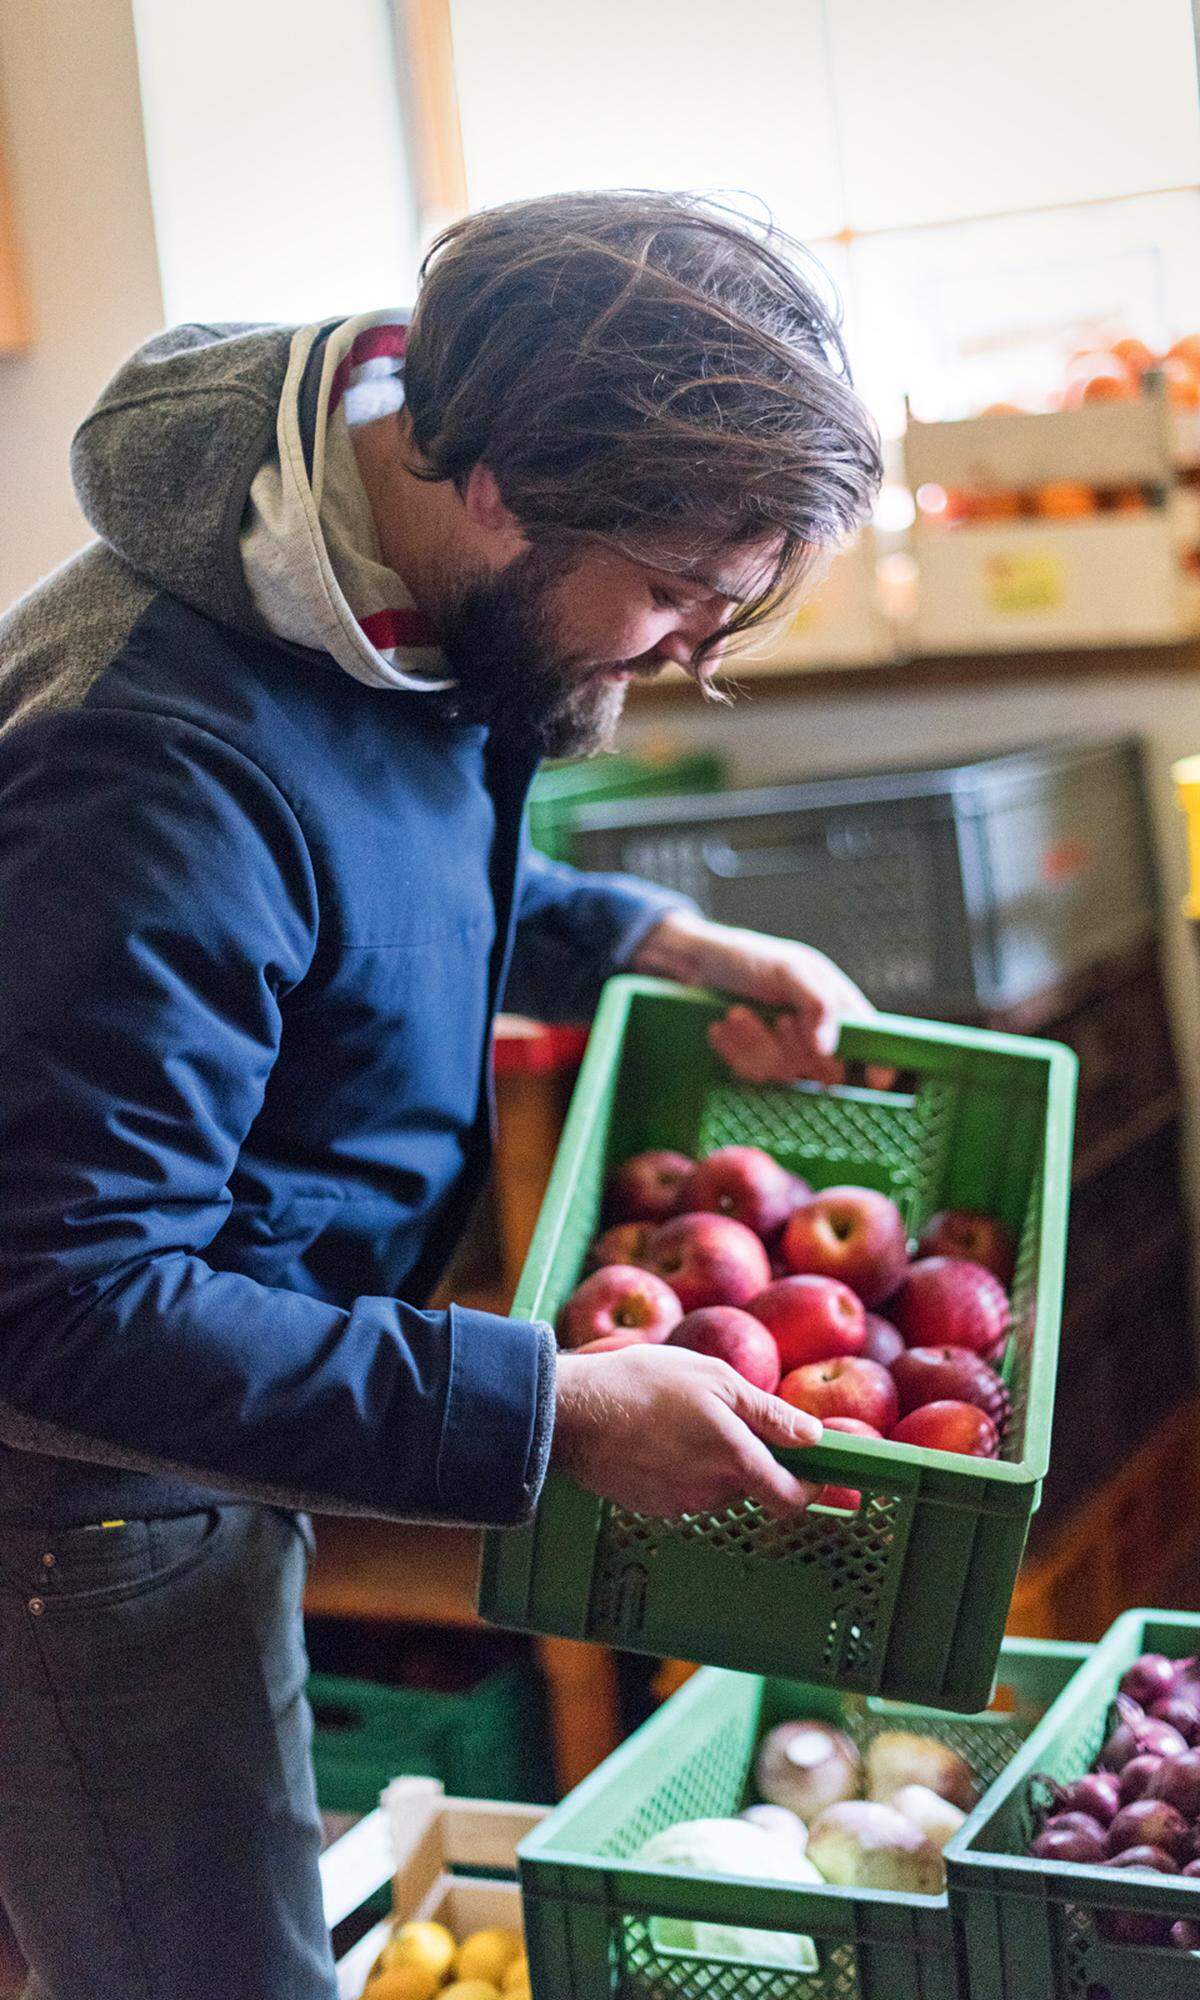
{"x":654,"y":371}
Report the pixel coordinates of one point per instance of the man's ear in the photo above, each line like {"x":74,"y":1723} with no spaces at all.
{"x":485,"y":508}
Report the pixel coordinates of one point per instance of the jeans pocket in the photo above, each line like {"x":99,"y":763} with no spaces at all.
{"x":87,"y":1568}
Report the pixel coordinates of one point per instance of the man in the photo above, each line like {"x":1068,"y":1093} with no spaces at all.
{"x":264,"y":749}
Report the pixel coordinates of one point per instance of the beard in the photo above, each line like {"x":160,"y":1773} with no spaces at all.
{"x":497,"y":635}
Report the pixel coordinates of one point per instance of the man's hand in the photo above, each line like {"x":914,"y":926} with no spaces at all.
{"x":665,"y":1432}
{"x":810,"y":997}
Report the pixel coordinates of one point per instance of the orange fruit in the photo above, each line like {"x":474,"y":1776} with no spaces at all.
{"x":1002,"y":505}
{"x":1183,"y":383}
{"x":1097,"y":378}
{"x":1135,"y":356}
{"x":1187,"y":349}
{"x":1064,"y":500}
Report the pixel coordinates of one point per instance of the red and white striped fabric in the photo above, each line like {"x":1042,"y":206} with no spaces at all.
{"x":309,"y":546}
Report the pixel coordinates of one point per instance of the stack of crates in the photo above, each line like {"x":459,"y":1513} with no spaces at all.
{"x":891,"y":1616}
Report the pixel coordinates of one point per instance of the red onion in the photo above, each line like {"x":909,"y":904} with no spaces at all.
{"x":1177,"y":1780}
{"x":1149,"y":1678}
{"x":1096,"y":1793}
{"x":1069,"y":1844}
{"x":1153,"y":1823}
{"x":1186,"y":1934}
{"x":1075,"y":1822}
{"x":1136,"y":1733}
{"x":1136,"y":1778}
{"x":1145,"y":1857}
{"x":1132,"y":1927}
{"x":1182,"y":1713}
{"x":1192,"y":1868}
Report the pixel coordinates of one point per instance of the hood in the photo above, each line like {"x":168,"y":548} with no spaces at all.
{"x":218,"y":464}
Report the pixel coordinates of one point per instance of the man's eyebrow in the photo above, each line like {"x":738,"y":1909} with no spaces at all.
{"x":710,"y":583}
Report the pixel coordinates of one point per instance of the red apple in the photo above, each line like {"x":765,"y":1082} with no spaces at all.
{"x":882,"y":1342}
{"x":847,"y":1386}
{"x":958,"y":1374}
{"x":811,"y":1319}
{"x":616,"y":1299}
{"x":709,"y":1260}
{"x":611,"y":1343}
{"x":624,"y":1243}
{"x":850,"y":1233}
{"x":731,"y":1335}
{"x":963,"y":1232}
{"x":645,"y":1188}
{"x":949,"y":1302}
{"x":949,"y":1426}
{"x":746,"y":1183}
{"x":847,"y":1498}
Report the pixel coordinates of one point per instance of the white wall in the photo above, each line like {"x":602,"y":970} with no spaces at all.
{"x":71,"y":123}
{"x":278,"y":170}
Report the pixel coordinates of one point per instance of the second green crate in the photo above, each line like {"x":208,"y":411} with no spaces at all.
{"x":909,"y":1596}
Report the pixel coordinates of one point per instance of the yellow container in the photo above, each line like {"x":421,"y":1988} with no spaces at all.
{"x":1186,"y":774}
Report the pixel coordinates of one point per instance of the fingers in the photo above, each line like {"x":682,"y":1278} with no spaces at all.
{"x":758,"y":1051}
{"x":770,"y":1418}
{"x":777,"y":1491}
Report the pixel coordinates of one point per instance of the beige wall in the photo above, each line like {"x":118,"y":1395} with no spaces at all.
{"x":71,"y":118}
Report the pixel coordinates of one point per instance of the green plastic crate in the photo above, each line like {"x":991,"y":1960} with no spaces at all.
{"x":1030,"y":1926}
{"x":590,"y":1909}
{"x":908,"y":1598}
{"x":489,"y":1743}
{"x":561,"y":790}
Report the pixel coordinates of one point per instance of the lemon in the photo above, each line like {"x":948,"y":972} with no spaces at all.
{"x":519,"y":1990}
{"x":516,"y":1977}
{"x":430,"y":1946}
{"x":402,"y":1982}
{"x":487,"y":1955}
{"x":470,"y":1989}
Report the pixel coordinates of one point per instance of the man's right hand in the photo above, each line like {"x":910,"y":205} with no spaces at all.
{"x":663,"y":1431}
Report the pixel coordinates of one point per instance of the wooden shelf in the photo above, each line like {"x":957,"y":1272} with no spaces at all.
{"x":916,"y":671}
{"x":390,"y":1573}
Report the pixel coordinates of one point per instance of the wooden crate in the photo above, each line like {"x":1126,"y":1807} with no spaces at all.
{"x":419,"y":1840}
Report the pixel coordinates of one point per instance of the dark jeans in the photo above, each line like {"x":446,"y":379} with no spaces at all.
{"x":159,"y":1831}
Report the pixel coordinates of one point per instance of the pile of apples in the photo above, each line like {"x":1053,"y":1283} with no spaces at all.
{"x":1139,"y":1807}
{"x":736,"y":1257}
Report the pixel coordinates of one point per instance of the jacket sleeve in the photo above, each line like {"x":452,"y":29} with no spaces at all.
{"x":574,"y":930}
{"x":157,"y":906}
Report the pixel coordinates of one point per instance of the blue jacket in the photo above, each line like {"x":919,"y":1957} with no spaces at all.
{"x":255,"y":919}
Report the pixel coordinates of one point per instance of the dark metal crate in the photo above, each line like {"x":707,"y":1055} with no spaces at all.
{"x":949,"y":891}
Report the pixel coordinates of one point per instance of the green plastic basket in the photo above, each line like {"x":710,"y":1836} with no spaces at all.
{"x":590,"y":1909}
{"x":1030,"y":1927}
{"x":490,"y":1743}
{"x":908,"y":1597}
{"x":561,"y":790}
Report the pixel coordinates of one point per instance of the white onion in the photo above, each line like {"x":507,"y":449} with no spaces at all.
{"x":807,"y":1766}
{"x":898,"y":1757}
{"x":935,"y":1816}
{"x":863,"y":1845}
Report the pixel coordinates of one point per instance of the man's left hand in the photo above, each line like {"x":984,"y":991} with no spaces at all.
{"x":804,"y":992}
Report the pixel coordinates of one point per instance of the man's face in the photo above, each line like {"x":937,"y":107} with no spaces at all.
{"x":547,"y":646}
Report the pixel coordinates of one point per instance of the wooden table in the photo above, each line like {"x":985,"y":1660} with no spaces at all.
{"x":389,"y":1574}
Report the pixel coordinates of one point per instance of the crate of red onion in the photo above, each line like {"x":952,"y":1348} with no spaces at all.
{"x":1077,"y":1877}
{"x":777,"y":1228}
